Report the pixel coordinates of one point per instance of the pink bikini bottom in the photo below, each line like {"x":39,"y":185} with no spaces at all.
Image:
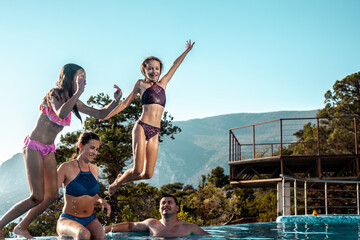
{"x":37,"y":146}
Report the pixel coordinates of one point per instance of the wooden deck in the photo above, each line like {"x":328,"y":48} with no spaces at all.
{"x":264,"y":172}
{"x":271,"y":140}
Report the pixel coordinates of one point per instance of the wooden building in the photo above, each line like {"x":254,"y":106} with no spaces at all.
{"x":260,"y":153}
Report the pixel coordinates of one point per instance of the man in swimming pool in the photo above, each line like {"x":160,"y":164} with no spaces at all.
{"x":168,"y":226}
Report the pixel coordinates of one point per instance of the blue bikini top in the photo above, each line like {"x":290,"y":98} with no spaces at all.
{"x":84,"y":184}
{"x":154,"y":95}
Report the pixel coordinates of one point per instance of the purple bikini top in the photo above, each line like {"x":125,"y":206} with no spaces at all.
{"x":154,"y":95}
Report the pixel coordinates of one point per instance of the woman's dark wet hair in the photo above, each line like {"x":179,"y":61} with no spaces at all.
{"x":145,"y":62}
{"x":65,"y":82}
{"x":85,"y":138}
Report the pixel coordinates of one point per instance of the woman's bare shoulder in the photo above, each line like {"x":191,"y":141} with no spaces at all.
{"x":68,"y":164}
{"x":94,"y":168}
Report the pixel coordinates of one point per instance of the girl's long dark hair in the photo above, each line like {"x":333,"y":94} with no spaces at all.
{"x":65,"y":82}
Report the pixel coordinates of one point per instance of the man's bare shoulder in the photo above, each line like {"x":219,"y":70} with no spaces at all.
{"x":188,"y":225}
{"x":151,"y":221}
{"x":143,"y":226}
{"x":193,"y":228}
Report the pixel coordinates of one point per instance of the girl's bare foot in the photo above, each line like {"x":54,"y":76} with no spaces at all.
{"x":114,"y":186}
{"x":18,"y":230}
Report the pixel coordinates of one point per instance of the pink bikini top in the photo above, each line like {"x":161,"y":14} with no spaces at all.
{"x":49,"y":111}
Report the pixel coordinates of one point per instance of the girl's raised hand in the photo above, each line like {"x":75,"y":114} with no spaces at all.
{"x":189,"y":45}
{"x":80,"y":83}
{"x":117,"y":93}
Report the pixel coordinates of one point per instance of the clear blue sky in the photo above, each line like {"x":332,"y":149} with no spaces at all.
{"x":249,"y":56}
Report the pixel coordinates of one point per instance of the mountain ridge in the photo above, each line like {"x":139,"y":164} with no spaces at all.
{"x":201,"y":146}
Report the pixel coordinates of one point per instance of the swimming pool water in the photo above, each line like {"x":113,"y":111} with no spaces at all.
{"x":269,"y":230}
{"x":335,"y":218}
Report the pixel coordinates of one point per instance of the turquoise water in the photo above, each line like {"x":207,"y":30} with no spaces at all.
{"x":334,"y":218}
{"x":269,"y":230}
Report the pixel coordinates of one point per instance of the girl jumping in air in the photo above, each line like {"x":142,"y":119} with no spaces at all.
{"x":39,"y":147}
{"x":145,"y":134}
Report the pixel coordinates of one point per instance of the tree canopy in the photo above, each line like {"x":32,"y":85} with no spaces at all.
{"x":337,"y":121}
{"x":344,"y":100}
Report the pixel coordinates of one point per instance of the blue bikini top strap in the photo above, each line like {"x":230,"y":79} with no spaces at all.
{"x":80,"y":167}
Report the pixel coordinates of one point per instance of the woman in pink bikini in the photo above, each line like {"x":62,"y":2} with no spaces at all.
{"x":146,"y":130}
{"x":39,"y":148}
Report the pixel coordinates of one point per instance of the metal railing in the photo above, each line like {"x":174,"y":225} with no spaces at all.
{"x":272,"y":138}
{"x":308,"y":194}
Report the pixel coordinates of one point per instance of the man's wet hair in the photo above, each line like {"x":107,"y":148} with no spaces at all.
{"x":169,"y":195}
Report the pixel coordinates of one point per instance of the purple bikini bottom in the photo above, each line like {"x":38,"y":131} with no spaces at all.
{"x":150,"y":131}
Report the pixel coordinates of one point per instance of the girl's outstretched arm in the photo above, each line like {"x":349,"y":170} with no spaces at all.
{"x":101,"y":113}
{"x":166,"y":78}
{"x":124,"y":103}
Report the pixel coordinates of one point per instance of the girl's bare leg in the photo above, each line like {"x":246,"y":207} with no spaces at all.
{"x":35,"y":173}
{"x":139,"y":148}
{"x":51,"y":194}
{"x":152,"y":148}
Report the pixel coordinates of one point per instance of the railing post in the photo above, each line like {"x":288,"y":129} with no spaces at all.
{"x":355,"y":129}
{"x":230,"y":146}
{"x":305,"y":196}
{"x":281,"y":138}
{"x":318,"y":136}
{"x":233,"y":147}
{"x":318,"y":151}
{"x":326,"y":199}
{"x":357,"y":199}
{"x":283,"y":196}
{"x":356,"y":148}
{"x":236,"y":149}
{"x":295,"y":198}
{"x":253,"y":132}
{"x":239,"y":151}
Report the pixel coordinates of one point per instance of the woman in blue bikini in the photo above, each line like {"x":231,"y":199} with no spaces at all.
{"x":79,"y":177}
{"x":146,"y":130}
{"x":39,"y":148}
